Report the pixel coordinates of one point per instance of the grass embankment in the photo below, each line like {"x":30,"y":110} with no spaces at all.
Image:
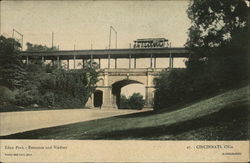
{"x":222,"y":117}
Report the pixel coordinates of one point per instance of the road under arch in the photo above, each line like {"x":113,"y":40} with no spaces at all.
{"x":117,"y":86}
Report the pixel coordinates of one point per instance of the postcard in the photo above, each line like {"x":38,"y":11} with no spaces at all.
{"x":124,"y":81}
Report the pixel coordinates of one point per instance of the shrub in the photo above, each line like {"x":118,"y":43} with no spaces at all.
{"x":24,"y":98}
{"x":48,"y":99}
{"x":45,"y":85}
{"x":124,"y":103}
{"x":57,"y":88}
{"x":180,"y":86}
{"x":63,"y":99}
{"x":171,"y":88}
{"x":136,"y":101}
{"x":6,"y":95}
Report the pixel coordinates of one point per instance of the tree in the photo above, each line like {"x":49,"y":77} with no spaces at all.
{"x":11,"y":67}
{"x":57,"y":87}
{"x":218,"y":38}
{"x":173,"y":87}
{"x":90,"y":75}
{"x":45,"y":85}
{"x":35,"y":47}
{"x":136,"y":101}
{"x":216,"y":22}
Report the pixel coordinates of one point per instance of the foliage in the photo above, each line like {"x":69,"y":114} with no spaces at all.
{"x":35,"y":47}
{"x":215,"y":22}
{"x":218,"y":40}
{"x":171,"y":88}
{"x":135,"y":101}
{"x":11,"y":67}
{"x":6,"y":95}
{"x":59,"y":87}
{"x":225,"y":116}
{"x":45,"y":85}
{"x":124,"y":104}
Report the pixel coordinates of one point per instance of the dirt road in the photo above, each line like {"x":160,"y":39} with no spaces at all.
{"x":15,"y":122}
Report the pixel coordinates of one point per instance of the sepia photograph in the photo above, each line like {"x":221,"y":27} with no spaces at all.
{"x":125,"y":70}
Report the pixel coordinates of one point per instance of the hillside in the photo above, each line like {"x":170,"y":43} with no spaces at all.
{"x":222,"y":117}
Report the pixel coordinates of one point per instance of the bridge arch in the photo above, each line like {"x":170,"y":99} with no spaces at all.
{"x":118,"y":85}
{"x":112,"y":80}
{"x":98,"y":98}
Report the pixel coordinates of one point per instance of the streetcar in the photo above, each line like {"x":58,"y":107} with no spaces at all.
{"x":151,"y":43}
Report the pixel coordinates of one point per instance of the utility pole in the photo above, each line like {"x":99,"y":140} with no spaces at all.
{"x":170,"y":57}
{"x":112,"y":28}
{"x":115,"y":39}
{"x":13,"y":32}
{"x":110,"y":36}
{"x":91,"y":55}
{"x":52,"y":41}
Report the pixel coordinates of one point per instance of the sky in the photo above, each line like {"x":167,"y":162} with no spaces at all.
{"x":82,"y":23}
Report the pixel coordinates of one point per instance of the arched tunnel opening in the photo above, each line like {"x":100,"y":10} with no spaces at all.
{"x":117,"y":88}
{"x":98,"y":98}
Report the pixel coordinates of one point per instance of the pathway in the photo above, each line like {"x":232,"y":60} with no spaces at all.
{"x":15,"y":122}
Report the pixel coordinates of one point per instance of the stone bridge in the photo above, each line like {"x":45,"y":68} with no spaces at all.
{"x":107,"y":94}
{"x":111,"y":81}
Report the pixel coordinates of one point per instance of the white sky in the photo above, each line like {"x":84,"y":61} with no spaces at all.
{"x":80,"y":22}
{"x":83,"y":22}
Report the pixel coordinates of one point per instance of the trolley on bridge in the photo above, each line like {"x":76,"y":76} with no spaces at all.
{"x":151,"y":43}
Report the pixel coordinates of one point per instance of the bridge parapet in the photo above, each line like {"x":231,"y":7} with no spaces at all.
{"x":133,"y":69}
{"x":90,"y":55}
{"x":131,"y":72}
{"x":104,"y":53}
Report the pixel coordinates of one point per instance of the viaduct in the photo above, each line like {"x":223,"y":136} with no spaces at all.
{"x":111,"y":80}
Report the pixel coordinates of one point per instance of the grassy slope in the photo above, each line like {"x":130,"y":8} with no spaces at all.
{"x":224,"y":116}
